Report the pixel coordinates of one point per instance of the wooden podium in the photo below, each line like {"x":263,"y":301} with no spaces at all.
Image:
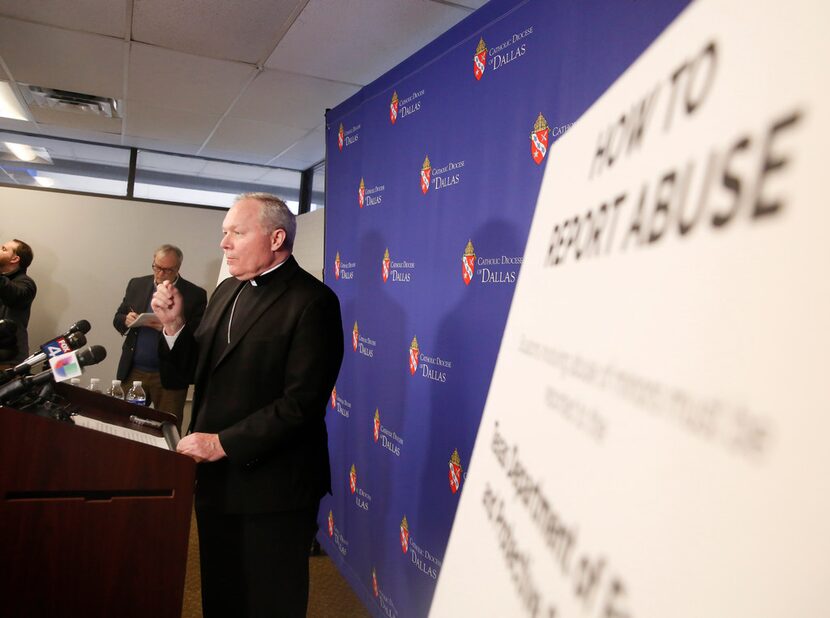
{"x":91,"y":524}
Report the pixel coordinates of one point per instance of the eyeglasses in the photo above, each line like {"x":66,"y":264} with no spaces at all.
{"x":159,"y":269}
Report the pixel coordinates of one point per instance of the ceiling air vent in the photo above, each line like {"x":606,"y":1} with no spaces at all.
{"x":65,"y":101}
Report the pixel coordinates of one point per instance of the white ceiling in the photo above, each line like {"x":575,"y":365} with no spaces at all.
{"x":242,"y":80}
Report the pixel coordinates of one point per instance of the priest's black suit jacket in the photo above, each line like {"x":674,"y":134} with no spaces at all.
{"x":265,"y":392}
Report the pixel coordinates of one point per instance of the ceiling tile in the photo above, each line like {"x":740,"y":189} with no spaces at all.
{"x":290,"y":99}
{"x":107,"y":17}
{"x":356,"y":41}
{"x":76,"y":61}
{"x":238,"y":135}
{"x":61,"y":131}
{"x":173,"y":80}
{"x":9,"y":124}
{"x":309,"y":150}
{"x":215,"y":28}
{"x":291,"y":163}
{"x":280,"y":178}
{"x":178,"y":127}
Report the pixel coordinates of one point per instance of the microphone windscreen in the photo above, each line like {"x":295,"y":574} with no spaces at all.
{"x":92,"y":355}
{"x":81,"y":326}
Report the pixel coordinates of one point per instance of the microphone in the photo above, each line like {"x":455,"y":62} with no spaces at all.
{"x":81,"y":326}
{"x":58,"y":346}
{"x":8,"y":392}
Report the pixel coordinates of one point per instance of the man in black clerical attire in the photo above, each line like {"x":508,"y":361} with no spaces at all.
{"x":264,"y":361}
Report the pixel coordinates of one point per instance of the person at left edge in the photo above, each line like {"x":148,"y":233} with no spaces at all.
{"x":139,"y":354}
{"x":17,"y":291}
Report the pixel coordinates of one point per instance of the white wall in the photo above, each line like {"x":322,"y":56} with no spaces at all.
{"x":87,"y":248}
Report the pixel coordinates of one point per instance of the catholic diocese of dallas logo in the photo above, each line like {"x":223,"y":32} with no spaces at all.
{"x":431,"y":367}
{"x":385,"y":602}
{"x":393,"y":108}
{"x":401,"y":108}
{"x":421,"y":558}
{"x":426,"y":171}
{"x":361,"y":498}
{"x":539,"y":139}
{"x":340,"y":405}
{"x":440,"y":177}
{"x":346,"y":138}
{"x":479,"y":61}
{"x":387,"y":438}
{"x":361,"y":344}
{"x":399,"y":271}
{"x":489,"y":269}
{"x":371,"y":196}
{"x":404,"y":535}
{"x":343,"y":269}
{"x":455,"y":471}
{"x":340,"y":541}
{"x":385,"y":266}
{"x":414,"y":353}
{"x":468,"y":263}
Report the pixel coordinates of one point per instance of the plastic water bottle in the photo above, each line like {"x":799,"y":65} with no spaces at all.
{"x":116,"y":390}
{"x":136,"y":394}
{"x":95,"y":385}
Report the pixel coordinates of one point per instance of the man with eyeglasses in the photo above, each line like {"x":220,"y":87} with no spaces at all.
{"x":17,"y":291}
{"x":139,"y":355}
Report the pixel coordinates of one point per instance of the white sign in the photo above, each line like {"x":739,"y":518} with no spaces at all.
{"x":655,"y":437}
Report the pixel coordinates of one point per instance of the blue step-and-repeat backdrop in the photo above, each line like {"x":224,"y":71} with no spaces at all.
{"x":432,"y":176}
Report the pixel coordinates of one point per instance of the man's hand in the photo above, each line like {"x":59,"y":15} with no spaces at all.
{"x":131,"y":316}
{"x":168,"y":306}
{"x":202,"y":447}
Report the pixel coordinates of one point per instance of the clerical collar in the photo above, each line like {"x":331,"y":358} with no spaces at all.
{"x":265,"y":277}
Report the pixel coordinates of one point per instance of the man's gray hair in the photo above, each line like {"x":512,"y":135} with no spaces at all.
{"x":274,"y":215}
{"x":165,"y":249}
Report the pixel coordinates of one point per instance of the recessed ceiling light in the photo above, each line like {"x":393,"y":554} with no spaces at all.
{"x":9,"y":105}
{"x":24,"y":152}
